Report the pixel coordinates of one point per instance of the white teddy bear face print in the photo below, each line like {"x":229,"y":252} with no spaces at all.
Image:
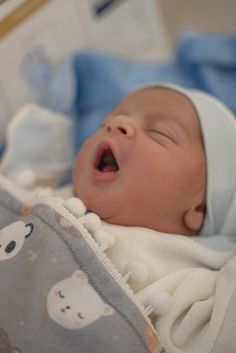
{"x":74,"y":304}
{"x":12,"y":238}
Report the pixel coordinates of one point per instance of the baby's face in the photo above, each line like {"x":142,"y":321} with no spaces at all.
{"x":145,"y":165}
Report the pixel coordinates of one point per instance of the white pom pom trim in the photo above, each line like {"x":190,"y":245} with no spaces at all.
{"x":75,"y":206}
{"x":104,"y":239}
{"x":160,"y":302}
{"x":138,"y":271}
{"x":92,"y":222}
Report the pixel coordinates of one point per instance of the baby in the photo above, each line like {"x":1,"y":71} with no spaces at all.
{"x":160,"y":167}
{"x":163,"y":161}
{"x":160,"y":160}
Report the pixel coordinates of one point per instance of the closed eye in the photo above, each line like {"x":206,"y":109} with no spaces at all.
{"x":155,"y":134}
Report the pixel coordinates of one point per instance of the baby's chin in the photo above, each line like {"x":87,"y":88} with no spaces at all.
{"x":111,"y":213}
{"x":106,"y":213}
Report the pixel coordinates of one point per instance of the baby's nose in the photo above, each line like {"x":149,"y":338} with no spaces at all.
{"x":120,"y":125}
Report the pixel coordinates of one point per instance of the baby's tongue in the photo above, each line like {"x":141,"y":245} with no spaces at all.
{"x":109,"y":163}
{"x":109,"y":168}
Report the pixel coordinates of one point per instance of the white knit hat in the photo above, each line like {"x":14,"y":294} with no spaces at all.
{"x":219,"y":135}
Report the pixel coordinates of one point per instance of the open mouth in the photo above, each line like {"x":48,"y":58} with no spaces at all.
{"x":106,"y":161}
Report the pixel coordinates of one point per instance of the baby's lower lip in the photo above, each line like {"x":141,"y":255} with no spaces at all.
{"x":98,"y":175}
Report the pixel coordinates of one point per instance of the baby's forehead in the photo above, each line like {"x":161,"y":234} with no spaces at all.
{"x":160,"y":101}
{"x":160,"y":98}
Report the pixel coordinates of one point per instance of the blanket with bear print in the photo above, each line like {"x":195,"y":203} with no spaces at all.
{"x":58,"y":291}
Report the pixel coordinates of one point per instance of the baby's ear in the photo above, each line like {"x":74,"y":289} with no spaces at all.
{"x":194,"y":217}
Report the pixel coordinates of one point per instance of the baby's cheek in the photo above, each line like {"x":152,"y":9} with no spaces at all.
{"x":75,"y":174}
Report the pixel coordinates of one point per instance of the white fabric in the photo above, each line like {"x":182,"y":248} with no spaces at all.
{"x":161,"y":253}
{"x":39,"y":143}
{"x":198,"y":284}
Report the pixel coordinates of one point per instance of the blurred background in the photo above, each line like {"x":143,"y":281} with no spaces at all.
{"x":79,"y":58}
{"x":38,"y":36}
{"x":208,"y":15}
